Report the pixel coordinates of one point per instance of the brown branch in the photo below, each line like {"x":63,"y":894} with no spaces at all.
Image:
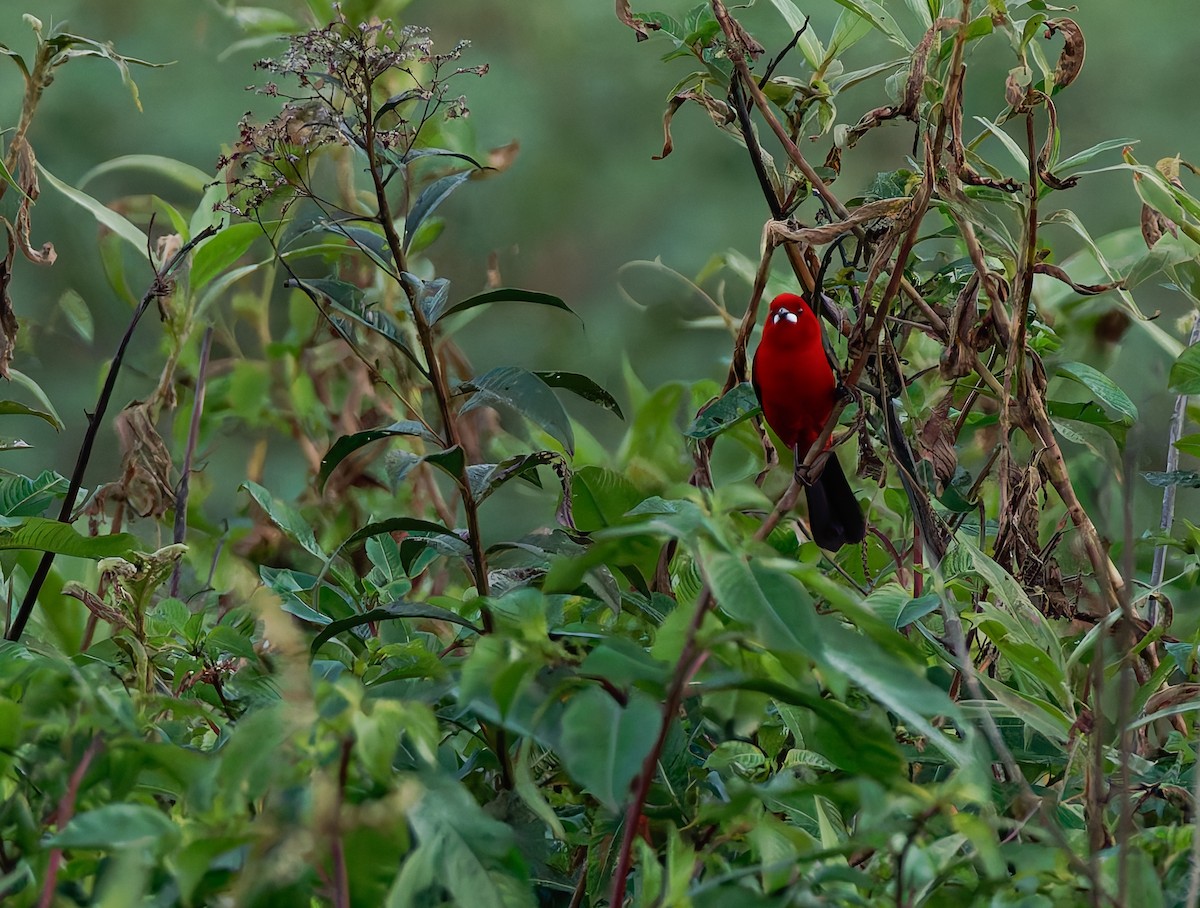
{"x":66,"y":810}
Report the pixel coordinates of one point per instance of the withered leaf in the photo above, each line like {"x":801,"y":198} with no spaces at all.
{"x":1070,"y":61}
{"x":937,"y":441}
{"x":1082,"y":289}
{"x":8,"y":319}
{"x":1154,"y":225}
{"x":625,"y":14}
{"x":779,"y":231}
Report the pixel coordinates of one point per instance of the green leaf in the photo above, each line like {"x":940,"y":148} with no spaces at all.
{"x":736,"y":406}
{"x":810,"y":46}
{"x":462,"y":850}
{"x":429,"y":199}
{"x":773,"y":603}
{"x":582,"y":386}
{"x":880,"y":18}
{"x":116,"y":826}
{"x":45,"y":535}
{"x":346,"y":299}
{"x":917,"y":608}
{"x":1187,"y":478}
{"x":1189,"y":444}
{"x":14,"y":408}
{"x":1103,"y":387}
{"x":601,"y":498}
{"x":286,"y":518}
{"x":348,"y":444}
{"x":78,"y":315}
{"x":21,"y":496}
{"x":603,"y":743}
{"x":185,"y":175}
{"x":525,"y":393}
{"x":35,"y":389}
{"x":485,"y":478}
{"x":119,"y":225}
{"x":502,"y":295}
{"x":1185,"y":371}
{"x":412,"y":525}
{"x":216,"y":254}
{"x":390,"y":612}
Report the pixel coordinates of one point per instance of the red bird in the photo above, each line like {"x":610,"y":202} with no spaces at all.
{"x":797,"y":389}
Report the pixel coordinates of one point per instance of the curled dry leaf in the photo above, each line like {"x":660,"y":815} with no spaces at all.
{"x":1070,"y":61}
{"x":779,"y":232}
{"x":501,"y":158}
{"x":1082,"y":289}
{"x":27,"y":180}
{"x":936,"y":441}
{"x":625,"y":14}
{"x":719,"y":111}
{"x":1154,"y":225}
{"x":8,"y":319}
{"x":146,"y":478}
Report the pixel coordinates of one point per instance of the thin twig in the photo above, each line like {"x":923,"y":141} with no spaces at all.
{"x":1168,"y":505}
{"x":185,"y":471}
{"x":66,"y":810}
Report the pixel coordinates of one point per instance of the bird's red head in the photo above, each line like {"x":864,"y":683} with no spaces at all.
{"x":790,"y":321}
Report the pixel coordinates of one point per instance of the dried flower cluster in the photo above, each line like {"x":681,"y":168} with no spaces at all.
{"x":368,"y":85}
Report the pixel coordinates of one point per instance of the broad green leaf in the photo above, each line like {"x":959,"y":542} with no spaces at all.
{"x":1189,"y":444}
{"x":880,"y":18}
{"x":108,"y":218}
{"x":851,"y":27}
{"x":485,"y":478}
{"x":15,"y":408}
{"x":78,"y":315}
{"x":772,"y":602}
{"x":218,"y":253}
{"x":184,"y":174}
{"x":1103,"y":387}
{"x":35,"y":389}
{"x":464,"y":851}
{"x":527,"y":394}
{"x":894,"y":684}
{"x":429,"y":199}
{"x":581,"y":386}
{"x":810,"y":46}
{"x":738,"y":405}
{"x":348,"y":444}
{"x":21,"y":496}
{"x":45,"y":535}
{"x":1099,"y":441}
{"x":601,"y":498}
{"x":116,"y":826}
{"x":286,"y":518}
{"x":603,"y":743}
{"x":1185,"y":371}
{"x":917,"y":608}
{"x":412,"y":525}
{"x":502,"y":295}
{"x":390,"y":612}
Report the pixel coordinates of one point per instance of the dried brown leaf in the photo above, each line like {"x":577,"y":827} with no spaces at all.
{"x":1154,"y":225}
{"x":779,"y":232}
{"x":8,"y":319}
{"x":936,"y":441}
{"x":625,"y":14}
{"x":1070,"y":61}
{"x":1082,"y":289}
{"x":146,"y":479}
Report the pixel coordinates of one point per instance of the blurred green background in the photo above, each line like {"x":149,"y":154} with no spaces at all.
{"x":584,"y":197}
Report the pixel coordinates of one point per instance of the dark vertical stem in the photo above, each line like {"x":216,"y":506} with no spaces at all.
{"x":66,"y":809}
{"x":185,"y":471}
{"x":159,"y":287}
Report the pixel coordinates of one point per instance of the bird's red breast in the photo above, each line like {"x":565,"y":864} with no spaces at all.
{"x":792,"y":377}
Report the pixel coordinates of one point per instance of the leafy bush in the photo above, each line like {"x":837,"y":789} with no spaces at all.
{"x":664,"y":693}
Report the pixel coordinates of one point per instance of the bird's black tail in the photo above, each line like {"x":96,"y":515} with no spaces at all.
{"x":833,"y":511}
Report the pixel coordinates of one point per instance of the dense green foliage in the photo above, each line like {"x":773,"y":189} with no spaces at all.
{"x":653,"y":690}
